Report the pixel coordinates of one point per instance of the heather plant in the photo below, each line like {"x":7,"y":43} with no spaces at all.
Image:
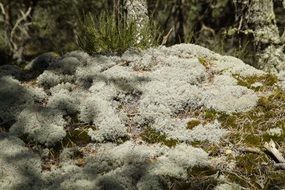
{"x":107,"y":34}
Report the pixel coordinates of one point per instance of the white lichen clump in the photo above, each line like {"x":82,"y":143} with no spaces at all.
{"x":43,"y":125}
{"x":169,"y":80}
{"x":113,"y":100}
{"x":20,"y":168}
{"x":275,"y":131}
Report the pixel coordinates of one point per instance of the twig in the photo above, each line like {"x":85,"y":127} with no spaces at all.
{"x":166,"y":37}
{"x":18,"y":22}
{"x":250,"y":150}
{"x":240,"y":24}
{"x":271,"y":147}
{"x":246,"y":180}
{"x":280,"y":166}
{"x":2,"y":9}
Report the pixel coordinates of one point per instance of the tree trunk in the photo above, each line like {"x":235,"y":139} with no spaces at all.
{"x":259,"y":16}
{"x":137,"y":12}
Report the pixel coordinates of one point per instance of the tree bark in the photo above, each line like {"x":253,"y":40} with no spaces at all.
{"x":260,"y":18}
{"x":137,"y":12}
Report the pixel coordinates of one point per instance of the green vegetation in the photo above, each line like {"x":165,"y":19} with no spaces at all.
{"x":205,"y":62}
{"x":266,"y":81}
{"x":152,"y":136}
{"x":249,"y":129}
{"x":193,"y":123}
{"x":104,"y":34}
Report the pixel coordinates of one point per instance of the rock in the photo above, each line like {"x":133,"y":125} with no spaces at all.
{"x":41,"y":63}
{"x":12,"y":70}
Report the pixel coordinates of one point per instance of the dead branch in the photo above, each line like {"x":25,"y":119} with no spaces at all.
{"x":166,"y":37}
{"x":280,"y":166}
{"x":250,"y":150}
{"x":271,"y":147}
{"x":2,"y":9}
{"x":17,"y":24}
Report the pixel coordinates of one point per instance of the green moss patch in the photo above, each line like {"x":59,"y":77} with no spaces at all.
{"x":193,"y":182}
{"x":193,"y":123}
{"x":275,"y":181}
{"x":250,"y":129}
{"x":152,"y":136}
{"x":267,"y":81}
{"x":210,"y":114}
{"x":249,"y":164}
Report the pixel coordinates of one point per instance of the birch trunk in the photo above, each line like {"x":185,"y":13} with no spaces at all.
{"x":137,"y":12}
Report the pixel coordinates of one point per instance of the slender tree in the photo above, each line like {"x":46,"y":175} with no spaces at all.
{"x":137,"y":12}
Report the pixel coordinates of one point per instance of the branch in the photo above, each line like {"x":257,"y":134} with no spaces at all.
{"x":280,"y":166}
{"x":18,"y":22}
{"x":2,"y":9}
{"x":166,"y":37}
{"x":250,"y":150}
{"x":271,"y":147}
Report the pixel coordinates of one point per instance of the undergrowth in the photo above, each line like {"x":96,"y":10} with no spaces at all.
{"x":248,"y":130}
{"x":106,"y":34}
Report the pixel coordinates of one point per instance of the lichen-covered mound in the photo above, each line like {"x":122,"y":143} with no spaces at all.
{"x":152,"y":119}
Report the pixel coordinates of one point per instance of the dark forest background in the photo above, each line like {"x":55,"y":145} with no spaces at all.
{"x":31,"y":27}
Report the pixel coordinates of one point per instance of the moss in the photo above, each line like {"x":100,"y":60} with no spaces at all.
{"x":276,"y":180}
{"x":250,"y":129}
{"x":210,"y":114}
{"x":78,"y":137}
{"x":152,"y":136}
{"x":193,"y":123}
{"x":247,"y":170}
{"x":193,"y":182}
{"x":253,"y":140}
{"x":238,"y":179}
{"x":228,"y":120}
{"x":201,"y":171}
{"x":205,"y":62}
{"x":267,"y":80}
{"x":211,"y":149}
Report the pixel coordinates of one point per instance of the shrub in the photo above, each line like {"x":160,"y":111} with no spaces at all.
{"x":105,"y":34}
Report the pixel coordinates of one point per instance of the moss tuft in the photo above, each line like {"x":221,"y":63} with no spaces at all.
{"x":205,"y":62}
{"x":276,"y":180}
{"x":210,"y":114}
{"x":193,"y":123}
{"x":152,"y":136}
{"x":267,"y":81}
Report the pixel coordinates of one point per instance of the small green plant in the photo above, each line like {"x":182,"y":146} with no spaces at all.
{"x":107,"y":34}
